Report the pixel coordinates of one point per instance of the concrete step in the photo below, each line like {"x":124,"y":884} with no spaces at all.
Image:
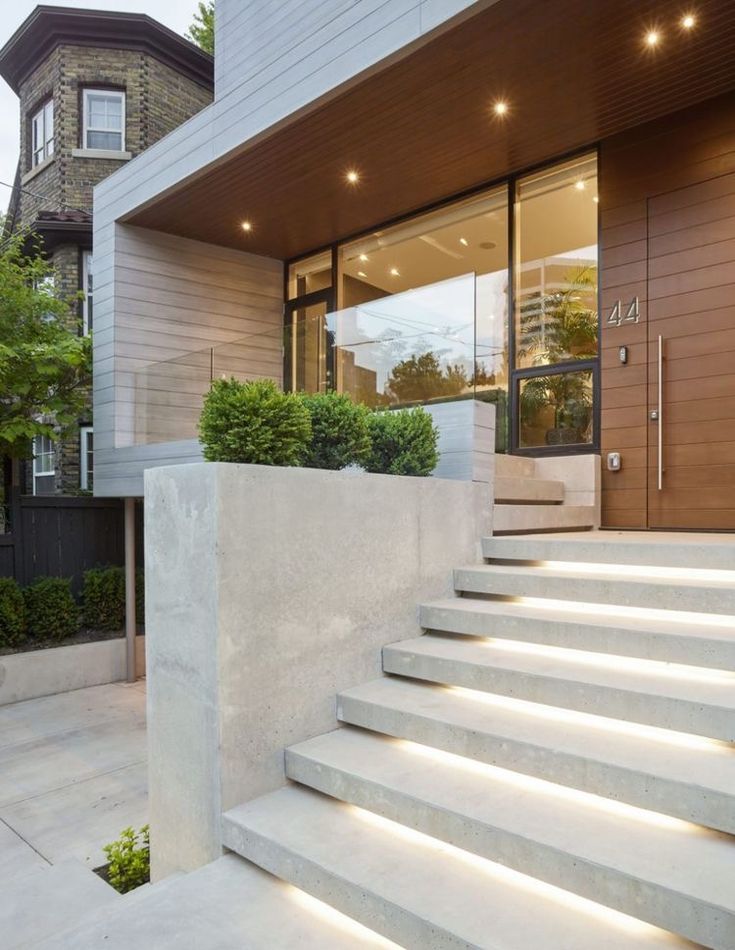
{"x":682,"y":776}
{"x":673,"y":638}
{"x":424,"y":894}
{"x":510,"y":489}
{"x":669,"y":549}
{"x":524,"y":518}
{"x":668,"y":873}
{"x":44,"y":900}
{"x":686,"y":591}
{"x":225,"y":905}
{"x":514,"y":466}
{"x":657,"y":694}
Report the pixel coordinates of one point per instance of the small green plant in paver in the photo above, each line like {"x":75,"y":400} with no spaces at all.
{"x":12,"y":613}
{"x":253,"y":423}
{"x":129,"y":859}
{"x":340,"y":433}
{"x":51,"y":609}
{"x":404,"y":442}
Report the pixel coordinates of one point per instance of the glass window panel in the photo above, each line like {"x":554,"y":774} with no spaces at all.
{"x":104,"y":120}
{"x":309,"y":350}
{"x":556,"y":264}
{"x":310,"y":274}
{"x":556,"y":409}
{"x":107,"y":140}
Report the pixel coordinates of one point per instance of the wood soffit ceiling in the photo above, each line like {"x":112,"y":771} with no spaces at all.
{"x":572,"y":71}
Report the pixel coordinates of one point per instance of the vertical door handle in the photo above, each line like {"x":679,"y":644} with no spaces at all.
{"x":660,"y":413}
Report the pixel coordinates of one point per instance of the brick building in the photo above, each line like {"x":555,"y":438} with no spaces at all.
{"x":95,"y":90}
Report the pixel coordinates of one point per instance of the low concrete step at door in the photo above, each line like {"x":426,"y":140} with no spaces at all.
{"x":535,"y":517}
{"x":528,"y":490}
{"x":419,"y":892}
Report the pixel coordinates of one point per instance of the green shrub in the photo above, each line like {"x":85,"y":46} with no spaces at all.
{"x":139,"y":597}
{"x":340,"y":433}
{"x":51,"y":609}
{"x":253,"y":422}
{"x":129,"y":859}
{"x":404,"y":442}
{"x":12,"y":613}
{"x":103,"y":598}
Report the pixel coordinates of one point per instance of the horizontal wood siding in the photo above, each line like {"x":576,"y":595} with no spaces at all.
{"x":694,"y":147}
{"x":169,"y":311}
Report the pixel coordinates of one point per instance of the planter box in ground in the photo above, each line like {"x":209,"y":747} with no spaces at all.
{"x":59,"y":669}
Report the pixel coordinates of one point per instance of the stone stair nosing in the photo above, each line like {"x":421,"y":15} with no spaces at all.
{"x":414,"y":890}
{"x":573,"y":842}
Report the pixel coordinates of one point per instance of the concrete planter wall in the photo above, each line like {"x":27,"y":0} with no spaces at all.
{"x":56,"y":670}
{"x":268,"y":590}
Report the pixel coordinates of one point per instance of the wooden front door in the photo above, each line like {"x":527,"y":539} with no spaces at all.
{"x":691,"y":357}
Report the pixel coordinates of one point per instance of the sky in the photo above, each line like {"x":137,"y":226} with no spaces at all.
{"x":175,"y":14}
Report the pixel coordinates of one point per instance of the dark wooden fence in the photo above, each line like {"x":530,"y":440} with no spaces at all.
{"x":60,"y":536}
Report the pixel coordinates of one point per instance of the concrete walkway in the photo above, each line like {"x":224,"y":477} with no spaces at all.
{"x":73,"y":774}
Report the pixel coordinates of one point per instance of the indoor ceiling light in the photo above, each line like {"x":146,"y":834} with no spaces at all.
{"x":653,"y":38}
{"x":247,"y":226}
{"x":361,"y":273}
{"x":596,"y":200}
{"x":688,"y":21}
{"x":500,"y":107}
{"x":352,"y":177}
{"x":464,"y":242}
{"x":580,"y":185}
{"x":394,"y":272}
{"x":363,"y":257}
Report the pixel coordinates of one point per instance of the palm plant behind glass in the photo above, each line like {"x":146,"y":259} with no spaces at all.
{"x":561,"y":329}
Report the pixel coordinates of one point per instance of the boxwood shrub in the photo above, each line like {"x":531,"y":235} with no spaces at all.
{"x":51,"y":609}
{"x":12,"y":613}
{"x":103,"y":598}
{"x":340,"y":432}
{"x":254,"y":422}
{"x":403,"y":442}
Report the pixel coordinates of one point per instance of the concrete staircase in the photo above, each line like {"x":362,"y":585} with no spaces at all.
{"x":526,"y":501}
{"x":549,"y":765}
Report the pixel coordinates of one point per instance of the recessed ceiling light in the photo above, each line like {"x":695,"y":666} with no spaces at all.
{"x":364,"y":257}
{"x":464,"y":242}
{"x":688,"y":22}
{"x":247,"y":226}
{"x":352,"y":176}
{"x":394,"y":272}
{"x":653,"y":38}
{"x":361,"y":273}
{"x":500,"y":108}
{"x":580,"y":185}
{"x":596,"y":200}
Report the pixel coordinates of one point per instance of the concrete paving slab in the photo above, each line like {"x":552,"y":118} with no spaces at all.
{"x":77,"y":820}
{"x":16,"y":855}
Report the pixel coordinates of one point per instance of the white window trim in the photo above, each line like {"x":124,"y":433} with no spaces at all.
{"x":47,"y":148}
{"x":86,"y":272}
{"x":84,"y":433}
{"x":85,"y":110}
{"x":39,"y":455}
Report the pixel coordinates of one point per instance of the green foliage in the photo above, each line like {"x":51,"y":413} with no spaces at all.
{"x":254,"y":422}
{"x":421,"y":378}
{"x":130,"y":859}
{"x":340,"y":433}
{"x":12,"y":613}
{"x":404,"y":442}
{"x":44,"y":365}
{"x":103,"y":598}
{"x":51,"y":609}
{"x":201,"y":30}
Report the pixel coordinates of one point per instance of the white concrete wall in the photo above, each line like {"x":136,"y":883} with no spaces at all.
{"x":60,"y":669}
{"x":268,"y":590}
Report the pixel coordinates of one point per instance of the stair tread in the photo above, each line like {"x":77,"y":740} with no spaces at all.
{"x":603,"y":574}
{"x":228,"y":903}
{"x":476,"y":903}
{"x":40,"y":902}
{"x":523,"y":487}
{"x":524,"y":518}
{"x":669,"y":626}
{"x":478,"y":807}
{"x":649,"y":678}
{"x":707,"y":765}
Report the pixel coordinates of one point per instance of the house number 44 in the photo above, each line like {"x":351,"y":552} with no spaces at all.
{"x":621,"y":314}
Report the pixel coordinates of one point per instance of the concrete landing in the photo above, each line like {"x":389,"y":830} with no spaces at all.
{"x":73,"y":774}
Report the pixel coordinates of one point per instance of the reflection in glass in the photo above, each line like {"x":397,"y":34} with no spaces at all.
{"x":310,"y":274}
{"x":556,"y":265}
{"x":556,"y":409}
{"x":309,"y":349}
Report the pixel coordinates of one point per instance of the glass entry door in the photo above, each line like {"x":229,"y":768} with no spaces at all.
{"x":309,"y":345}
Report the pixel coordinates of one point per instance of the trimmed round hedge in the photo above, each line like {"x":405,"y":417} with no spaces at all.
{"x":340,"y":431}
{"x":403,"y":442}
{"x":12,"y":613}
{"x":51,"y":609}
